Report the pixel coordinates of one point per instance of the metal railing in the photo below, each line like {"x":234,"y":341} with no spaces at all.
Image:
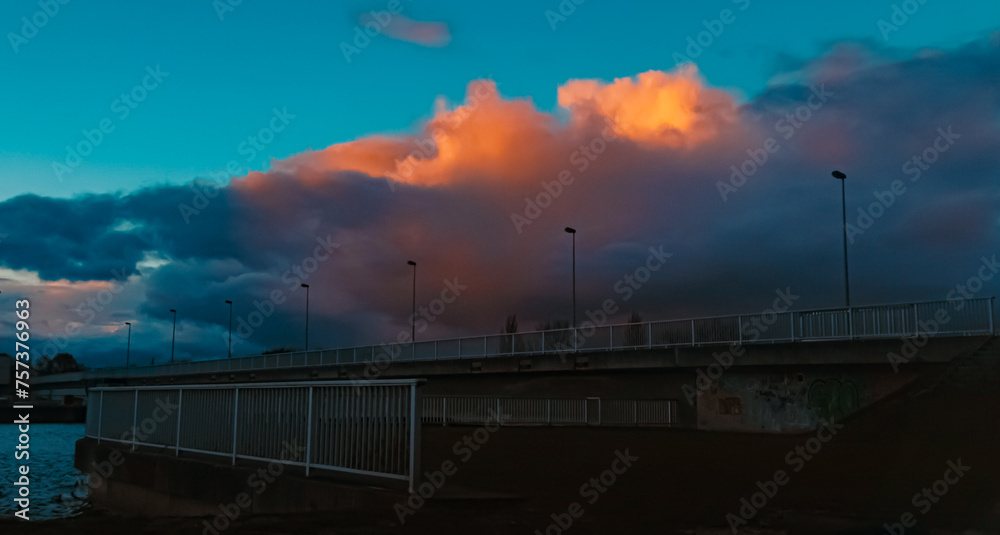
{"x":366,"y":429}
{"x":975,"y":317}
{"x":483,"y":410}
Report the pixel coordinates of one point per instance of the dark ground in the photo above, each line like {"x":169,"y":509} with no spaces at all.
{"x":686,"y":481}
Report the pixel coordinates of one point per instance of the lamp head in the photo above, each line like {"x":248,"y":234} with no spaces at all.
{"x":411,"y":262}
{"x":838,"y":175}
{"x":571,"y":230}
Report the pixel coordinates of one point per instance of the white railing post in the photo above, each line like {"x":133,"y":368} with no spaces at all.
{"x":916,"y":324}
{"x":739,"y":327}
{"x":414,"y":443}
{"x":309,"y":429}
{"x":100,"y":417}
{"x":649,"y":334}
{"x":236,"y":420}
{"x":135,"y":414}
{"x":180,"y":407}
{"x":791,"y":321}
{"x":548,"y":411}
{"x":692,"y":333}
{"x":992,"y":299}
{"x":850,"y":322}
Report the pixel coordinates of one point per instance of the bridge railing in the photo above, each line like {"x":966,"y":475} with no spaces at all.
{"x":492,"y":410}
{"x":370,"y":429}
{"x":930,"y":318}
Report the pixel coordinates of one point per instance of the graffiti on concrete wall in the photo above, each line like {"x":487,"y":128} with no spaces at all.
{"x":833,"y":399}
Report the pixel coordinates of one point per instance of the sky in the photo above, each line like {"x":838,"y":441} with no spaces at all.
{"x":173,"y":155}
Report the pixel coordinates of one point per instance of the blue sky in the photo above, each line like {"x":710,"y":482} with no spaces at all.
{"x":225,"y":76}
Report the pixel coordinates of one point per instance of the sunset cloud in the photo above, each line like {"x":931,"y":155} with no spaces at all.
{"x":632,"y":163}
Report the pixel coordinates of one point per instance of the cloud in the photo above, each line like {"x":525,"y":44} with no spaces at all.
{"x":480,"y":193}
{"x":403,"y":28}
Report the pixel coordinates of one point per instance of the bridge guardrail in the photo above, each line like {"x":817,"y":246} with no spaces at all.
{"x":974,"y":317}
{"x":369,"y":428}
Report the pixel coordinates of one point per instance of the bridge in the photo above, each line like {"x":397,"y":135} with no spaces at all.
{"x":390,"y":415}
{"x":975,"y":317}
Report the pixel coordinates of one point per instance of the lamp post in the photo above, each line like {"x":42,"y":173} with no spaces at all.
{"x":843,"y":197}
{"x":572,"y":231}
{"x":128,"y":347}
{"x":173,"y":337}
{"x":306,"y":286}
{"x":230,"y":303}
{"x":413,"y":314}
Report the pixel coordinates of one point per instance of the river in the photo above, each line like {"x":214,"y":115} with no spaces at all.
{"x":57,"y":489}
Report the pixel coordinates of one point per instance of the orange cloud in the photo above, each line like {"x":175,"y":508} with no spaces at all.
{"x":490,"y":138}
{"x":658,"y":108}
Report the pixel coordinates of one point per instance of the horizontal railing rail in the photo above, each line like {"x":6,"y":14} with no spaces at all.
{"x":370,"y":429}
{"x":506,"y":411}
{"x":961,"y":318}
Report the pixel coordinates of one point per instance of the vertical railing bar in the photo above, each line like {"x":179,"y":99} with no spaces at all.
{"x":135,"y":414}
{"x":916,"y":326}
{"x":100,"y":417}
{"x":413,"y":437}
{"x":180,"y":408}
{"x":309,"y":426}
{"x":236,"y":415}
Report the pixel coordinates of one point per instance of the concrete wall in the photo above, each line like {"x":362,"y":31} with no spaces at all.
{"x":794,"y":399}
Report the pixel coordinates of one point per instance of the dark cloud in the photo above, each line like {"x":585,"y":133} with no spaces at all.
{"x":450,"y":209}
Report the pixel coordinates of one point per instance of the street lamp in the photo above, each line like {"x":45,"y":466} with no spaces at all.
{"x":572,"y":231}
{"x":230,"y":303}
{"x":173,"y":338}
{"x":306,"y":286}
{"x":128,"y":348}
{"x":413,"y":315}
{"x":843,"y":196}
